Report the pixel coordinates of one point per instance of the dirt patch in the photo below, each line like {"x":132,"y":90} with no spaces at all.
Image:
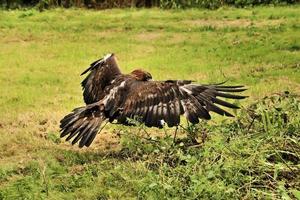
{"x":148,"y":36}
{"x":232,"y":23}
{"x":177,"y":38}
{"x":106,"y":141}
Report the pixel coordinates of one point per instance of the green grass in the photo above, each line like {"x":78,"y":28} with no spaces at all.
{"x":42,"y":55}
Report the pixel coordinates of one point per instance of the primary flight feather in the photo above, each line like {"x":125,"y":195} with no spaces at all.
{"x":111,"y":95}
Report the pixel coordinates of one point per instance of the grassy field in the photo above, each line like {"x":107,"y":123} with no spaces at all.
{"x":256,"y":155}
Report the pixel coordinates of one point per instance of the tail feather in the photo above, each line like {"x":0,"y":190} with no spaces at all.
{"x":81,"y":134}
{"x":91,"y":134}
{"x":82,"y":123}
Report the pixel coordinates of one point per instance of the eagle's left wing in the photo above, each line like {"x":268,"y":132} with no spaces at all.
{"x":154,"y":101}
{"x":102,"y":72}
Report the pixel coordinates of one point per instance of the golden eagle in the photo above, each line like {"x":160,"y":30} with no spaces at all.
{"x":111,"y":95}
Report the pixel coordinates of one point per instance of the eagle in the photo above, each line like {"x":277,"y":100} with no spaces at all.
{"x":110,"y":96}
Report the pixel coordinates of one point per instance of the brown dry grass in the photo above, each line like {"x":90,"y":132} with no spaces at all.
{"x":243,"y":23}
{"x":148,"y":36}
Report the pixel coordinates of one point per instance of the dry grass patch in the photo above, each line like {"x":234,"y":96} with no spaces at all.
{"x":148,"y":36}
{"x":288,"y":83}
{"x":200,"y":76}
{"x":24,"y":38}
{"x":177,"y":38}
{"x":232,"y":23}
{"x":106,"y":140}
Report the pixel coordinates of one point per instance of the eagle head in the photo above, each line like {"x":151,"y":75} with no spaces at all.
{"x":141,"y":75}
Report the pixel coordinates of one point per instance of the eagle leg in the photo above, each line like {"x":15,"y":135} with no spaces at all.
{"x":175,"y":134}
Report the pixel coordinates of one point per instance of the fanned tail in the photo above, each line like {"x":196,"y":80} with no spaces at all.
{"x":83,"y":123}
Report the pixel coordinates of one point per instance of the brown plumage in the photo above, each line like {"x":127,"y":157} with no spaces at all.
{"x":111,"y":95}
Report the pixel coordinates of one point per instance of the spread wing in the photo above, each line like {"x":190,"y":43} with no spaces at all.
{"x":155,"y":101}
{"x":102,"y":72}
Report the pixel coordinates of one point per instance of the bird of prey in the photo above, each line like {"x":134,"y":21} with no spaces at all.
{"x":110,"y":95}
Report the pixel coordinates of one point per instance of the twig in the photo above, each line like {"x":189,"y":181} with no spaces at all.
{"x":284,"y":161}
{"x":196,"y":145}
{"x":250,"y":125}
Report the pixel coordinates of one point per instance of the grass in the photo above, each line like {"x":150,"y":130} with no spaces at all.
{"x":42,"y":55}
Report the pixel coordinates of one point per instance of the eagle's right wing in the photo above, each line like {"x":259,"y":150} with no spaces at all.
{"x":153,"y":101}
{"x":102,"y":72}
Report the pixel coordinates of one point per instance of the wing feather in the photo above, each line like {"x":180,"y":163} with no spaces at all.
{"x":153,"y":101}
{"x":102,"y":73}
